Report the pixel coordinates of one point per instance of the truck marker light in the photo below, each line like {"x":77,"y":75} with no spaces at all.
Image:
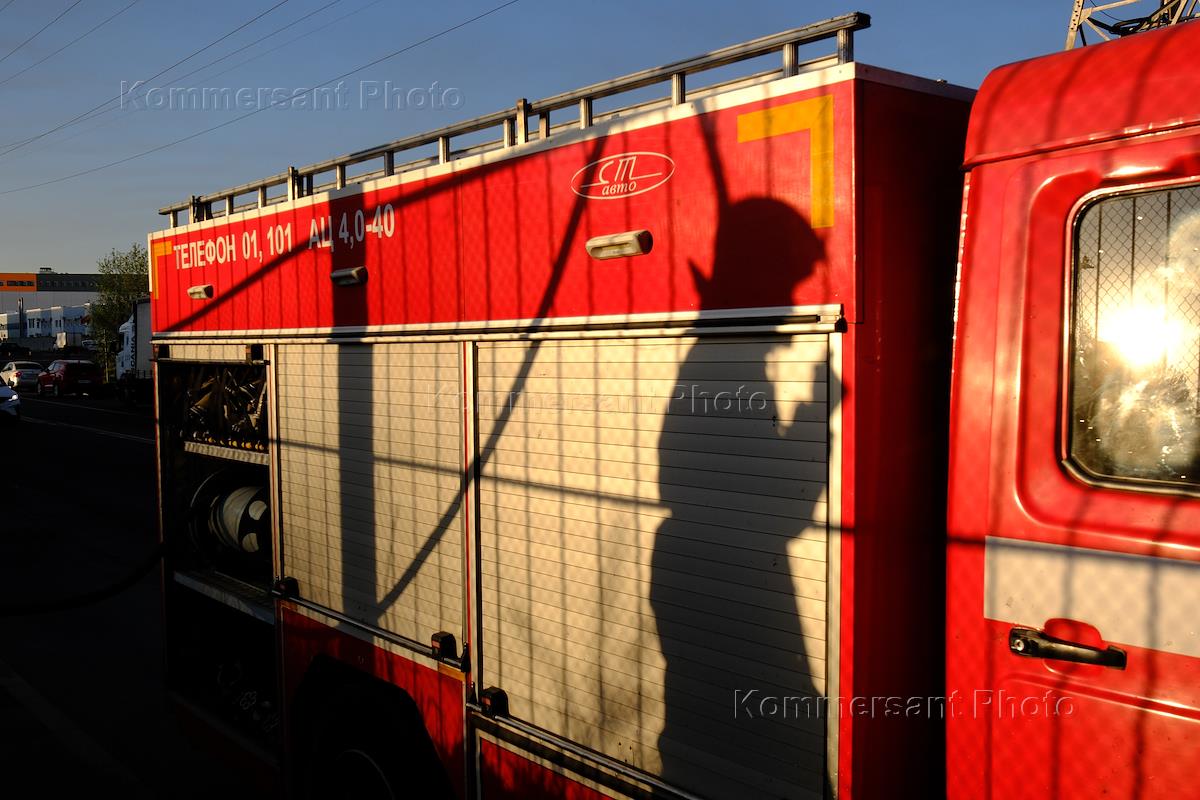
{"x":202,"y":292}
{"x":620,"y":245}
{"x":285,"y":587}
{"x":494,"y":702}
{"x":354,"y":276}
{"x":443,"y":646}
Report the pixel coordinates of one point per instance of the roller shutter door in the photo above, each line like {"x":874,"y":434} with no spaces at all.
{"x":653,"y":540}
{"x":370,"y":457}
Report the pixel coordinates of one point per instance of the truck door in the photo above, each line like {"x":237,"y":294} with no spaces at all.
{"x":1073,"y":653}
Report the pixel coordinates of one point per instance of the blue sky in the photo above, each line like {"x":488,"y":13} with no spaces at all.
{"x":532,"y":49}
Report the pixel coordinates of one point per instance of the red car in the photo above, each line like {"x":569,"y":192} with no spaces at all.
{"x":70,"y":375}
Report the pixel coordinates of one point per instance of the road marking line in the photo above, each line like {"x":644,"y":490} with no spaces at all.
{"x":38,"y":399}
{"x":70,"y":735}
{"x":114,"y":434}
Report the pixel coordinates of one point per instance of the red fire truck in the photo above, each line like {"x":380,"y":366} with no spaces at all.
{"x":607,"y":456}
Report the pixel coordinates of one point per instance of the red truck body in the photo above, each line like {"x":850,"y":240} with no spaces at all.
{"x":611,"y":460}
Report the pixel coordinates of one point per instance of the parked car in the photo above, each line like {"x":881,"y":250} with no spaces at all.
{"x":10,"y":405}
{"x":70,"y":375}
{"x":14,"y":350}
{"x":20,"y":374}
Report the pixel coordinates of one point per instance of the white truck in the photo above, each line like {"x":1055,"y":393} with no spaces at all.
{"x":134,"y":375}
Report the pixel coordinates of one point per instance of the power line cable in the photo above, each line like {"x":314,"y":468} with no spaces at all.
{"x":76,"y":40}
{"x":319,"y":28}
{"x":17,"y":145}
{"x":40,"y":30}
{"x":134,"y":110}
{"x":251,"y":44}
{"x":1097,"y":8}
{"x":98,"y":113}
{"x":293,"y":40}
{"x":6,"y":5}
{"x":248,"y":114}
{"x":11,"y":146}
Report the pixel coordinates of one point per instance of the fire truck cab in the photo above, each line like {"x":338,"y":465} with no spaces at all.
{"x":1073,"y":649}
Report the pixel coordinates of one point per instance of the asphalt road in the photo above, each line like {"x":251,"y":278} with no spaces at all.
{"x":82,"y":702}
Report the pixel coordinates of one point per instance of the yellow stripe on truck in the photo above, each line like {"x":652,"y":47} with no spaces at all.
{"x":158,"y":249}
{"x":815,"y":116}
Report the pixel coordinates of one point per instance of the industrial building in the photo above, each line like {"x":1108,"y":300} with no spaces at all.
{"x":46,"y":288}
{"x":60,"y":325}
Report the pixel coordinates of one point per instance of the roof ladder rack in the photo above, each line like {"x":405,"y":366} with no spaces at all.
{"x":514,"y":123}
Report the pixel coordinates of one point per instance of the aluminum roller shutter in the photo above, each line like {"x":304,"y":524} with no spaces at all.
{"x":653,"y":537}
{"x":370,"y":462}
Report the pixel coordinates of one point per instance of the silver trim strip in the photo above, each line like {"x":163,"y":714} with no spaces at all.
{"x":1142,"y":601}
{"x":262,"y":613}
{"x":473,"y":609}
{"x":810,"y":318}
{"x":274,"y":471}
{"x":377,"y":633}
{"x":833,"y":563}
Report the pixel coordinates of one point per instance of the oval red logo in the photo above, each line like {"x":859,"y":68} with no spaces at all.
{"x":622,"y":175}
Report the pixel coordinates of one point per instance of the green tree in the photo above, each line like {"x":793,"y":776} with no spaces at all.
{"x":124,"y":278}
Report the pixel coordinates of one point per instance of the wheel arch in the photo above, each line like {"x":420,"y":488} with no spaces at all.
{"x":336,"y":704}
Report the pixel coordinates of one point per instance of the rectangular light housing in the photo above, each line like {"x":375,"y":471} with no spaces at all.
{"x":354,"y":276}
{"x":620,"y":245}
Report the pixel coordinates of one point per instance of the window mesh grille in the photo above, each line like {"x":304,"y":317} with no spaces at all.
{"x":1136,"y":337}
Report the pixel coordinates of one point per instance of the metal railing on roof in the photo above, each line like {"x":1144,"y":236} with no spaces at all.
{"x":514,"y":123}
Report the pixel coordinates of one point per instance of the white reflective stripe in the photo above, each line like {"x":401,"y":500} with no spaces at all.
{"x":1142,"y":601}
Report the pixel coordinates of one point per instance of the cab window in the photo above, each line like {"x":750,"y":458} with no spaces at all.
{"x":1135,"y":338}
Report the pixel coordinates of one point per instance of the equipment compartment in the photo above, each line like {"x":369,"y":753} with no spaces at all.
{"x":216,"y":479}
